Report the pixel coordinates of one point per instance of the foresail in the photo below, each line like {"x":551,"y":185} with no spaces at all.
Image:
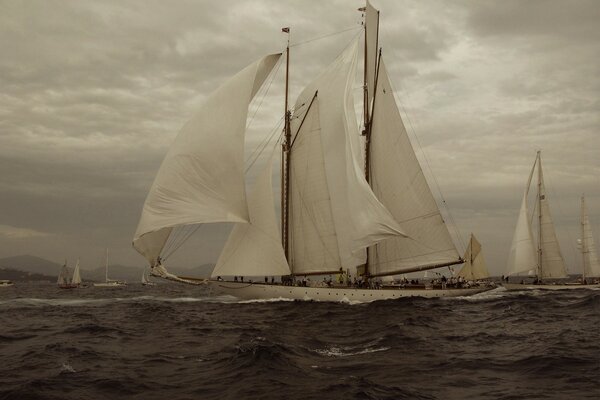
{"x":522,"y":256}
{"x":399,"y":183}
{"x":340,"y":194}
{"x":201,"y":179}
{"x":591,"y":264}
{"x":254,"y":248}
{"x":474,"y":267}
{"x":553,"y":265}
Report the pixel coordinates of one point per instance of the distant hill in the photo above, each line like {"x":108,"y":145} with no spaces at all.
{"x":33,"y":264}
{"x":20,"y":276}
{"x":36,"y":265}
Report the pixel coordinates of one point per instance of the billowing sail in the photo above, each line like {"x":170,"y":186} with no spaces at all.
{"x":399,"y":183}
{"x":474,"y":267}
{"x":591,"y":264}
{"x":254,"y":248}
{"x":333,"y":212}
{"x":76,"y":280}
{"x":201,"y":179}
{"x":552,"y":265}
{"x":371,"y":30}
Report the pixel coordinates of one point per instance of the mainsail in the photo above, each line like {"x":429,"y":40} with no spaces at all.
{"x":333,"y":212}
{"x":475,"y":267}
{"x":63,"y":276}
{"x":591,"y":264}
{"x":76,"y":280}
{"x":201,"y":179}
{"x":399,"y":183}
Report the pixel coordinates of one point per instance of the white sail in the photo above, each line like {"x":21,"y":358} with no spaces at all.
{"x":522,"y":257}
{"x":372,"y":32}
{"x":552,"y":265}
{"x":474,"y":267}
{"x":63,"y":275}
{"x":337,"y":194}
{"x":399,"y":183}
{"x":254,"y":248}
{"x":201,"y":179}
{"x":591,"y":264}
{"x":76,"y":280}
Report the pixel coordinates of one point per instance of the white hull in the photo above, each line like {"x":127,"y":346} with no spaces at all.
{"x":6,"y":283}
{"x":255,"y":291}
{"x":531,"y":286}
{"x":110,"y":284}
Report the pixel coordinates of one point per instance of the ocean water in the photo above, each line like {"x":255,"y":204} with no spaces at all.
{"x":174,"y":342}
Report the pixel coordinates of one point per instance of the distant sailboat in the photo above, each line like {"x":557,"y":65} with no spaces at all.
{"x":545,"y":261}
{"x":65,"y":280}
{"x":474,"y":267}
{"x":6,"y":283}
{"x":590,"y":261}
{"x":380,"y":220}
{"x":109,"y":282}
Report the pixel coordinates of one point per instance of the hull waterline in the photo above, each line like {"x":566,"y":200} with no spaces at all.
{"x":531,"y":286}
{"x":259,"y":291}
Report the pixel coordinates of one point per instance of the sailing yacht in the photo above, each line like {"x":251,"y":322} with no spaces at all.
{"x":111,"y":283}
{"x":68,"y":281}
{"x":6,"y":283}
{"x":589,"y":256}
{"x":341,"y":210}
{"x":545,"y":260}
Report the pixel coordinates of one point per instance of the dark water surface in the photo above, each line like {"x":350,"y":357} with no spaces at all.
{"x":173,"y":342}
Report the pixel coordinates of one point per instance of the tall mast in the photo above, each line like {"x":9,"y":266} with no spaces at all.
{"x":285,"y":156}
{"x":539,"y":158}
{"x":366,"y":106}
{"x":106,"y":269}
{"x":583,"y":249}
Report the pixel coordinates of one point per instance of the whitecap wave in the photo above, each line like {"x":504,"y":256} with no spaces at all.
{"x":334,"y":351}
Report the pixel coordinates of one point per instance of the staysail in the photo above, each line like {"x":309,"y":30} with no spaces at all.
{"x":254,"y":248}
{"x":399,"y":183}
{"x":63,"y":276}
{"x":591,"y":264}
{"x":333,"y":212}
{"x":475,"y":267}
{"x":76,"y":280}
{"x":201,"y":179}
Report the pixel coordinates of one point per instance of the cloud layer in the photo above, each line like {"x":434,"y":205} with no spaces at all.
{"x":94,"y":92}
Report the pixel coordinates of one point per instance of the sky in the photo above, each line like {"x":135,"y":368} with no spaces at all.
{"x":92,"y":94}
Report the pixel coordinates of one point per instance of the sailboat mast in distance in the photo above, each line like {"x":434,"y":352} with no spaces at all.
{"x":285,"y":153}
{"x":540,"y":240}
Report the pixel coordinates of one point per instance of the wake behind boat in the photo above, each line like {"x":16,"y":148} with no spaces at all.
{"x":341,"y":210}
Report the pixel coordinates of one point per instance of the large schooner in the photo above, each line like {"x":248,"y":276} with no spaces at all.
{"x":540,"y":258}
{"x":341,"y":210}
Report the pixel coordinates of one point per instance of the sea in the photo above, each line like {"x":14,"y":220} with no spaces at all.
{"x":173,"y":342}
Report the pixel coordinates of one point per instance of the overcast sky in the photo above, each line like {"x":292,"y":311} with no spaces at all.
{"x":93,"y":92}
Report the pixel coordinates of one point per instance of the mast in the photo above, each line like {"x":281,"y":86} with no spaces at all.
{"x":366,"y":106}
{"x":285,"y":157}
{"x":106,"y":270}
{"x":583,"y":249}
{"x":539,"y":158}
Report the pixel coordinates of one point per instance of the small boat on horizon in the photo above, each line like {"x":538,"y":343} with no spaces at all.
{"x":110,"y":283}
{"x":68,"y":281}
{"x":6,"y":283}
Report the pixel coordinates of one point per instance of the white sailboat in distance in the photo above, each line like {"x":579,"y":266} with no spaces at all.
{"x":589,"y":256}
{"x":110,"y":283}
{"x":341,"y":210}
{"x":545,"y":260}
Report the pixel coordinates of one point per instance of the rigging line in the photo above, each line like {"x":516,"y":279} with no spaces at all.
{"x":183,"y":240}
{"x":266,"y":91}
{"x":260,"y":151}
{"x":327,"y":35}
{"x":450,"y":216}
{"x":267,"y":138}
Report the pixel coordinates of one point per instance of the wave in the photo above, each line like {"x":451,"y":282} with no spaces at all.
{"x":334,"y":351}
